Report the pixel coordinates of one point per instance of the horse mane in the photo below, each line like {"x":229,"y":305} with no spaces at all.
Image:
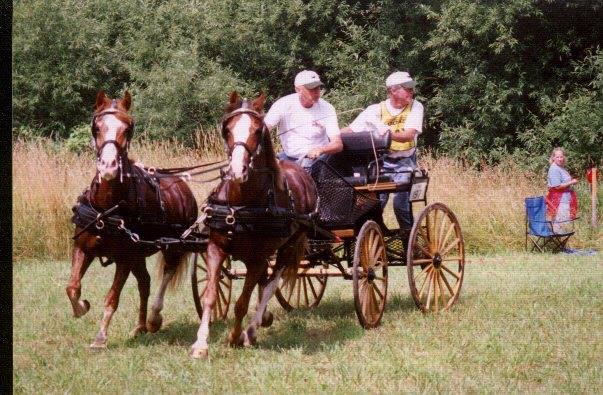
{"x":271,"y":160}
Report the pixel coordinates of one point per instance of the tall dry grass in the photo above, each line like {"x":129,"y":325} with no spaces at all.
{"x":489,"y":203}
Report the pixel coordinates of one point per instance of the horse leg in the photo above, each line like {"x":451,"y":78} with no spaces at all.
{"x":263,"y":317}
{"x":139,"y":269}
{"x":288,"y":255}
{"x":80,"y":261}
{"x":214,"y":258}
{"x":171,"y":264}
{"x":267,"y":317}
{"x":122,"y":270}
{"x":255,"y":271}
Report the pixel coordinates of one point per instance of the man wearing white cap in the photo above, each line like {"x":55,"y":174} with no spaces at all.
{"x":402,"y":116}
{"x":307,"y":124}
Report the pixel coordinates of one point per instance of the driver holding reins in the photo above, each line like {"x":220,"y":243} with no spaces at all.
{"x":402,"y":116}
{"x":307,"y":123}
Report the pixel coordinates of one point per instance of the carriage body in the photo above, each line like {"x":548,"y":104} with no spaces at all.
{"x":350,"y":239}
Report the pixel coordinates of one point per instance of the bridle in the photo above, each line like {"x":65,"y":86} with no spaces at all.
{"x":244,"y":109}
{"x":122,"y":152}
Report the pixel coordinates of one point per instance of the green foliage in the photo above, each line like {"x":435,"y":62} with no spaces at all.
{"x":492,"y":75}
{"x":80,"y":139}
{"x":574,"y":122}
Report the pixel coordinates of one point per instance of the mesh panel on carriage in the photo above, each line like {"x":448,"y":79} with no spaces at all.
{"x":340,"y":206}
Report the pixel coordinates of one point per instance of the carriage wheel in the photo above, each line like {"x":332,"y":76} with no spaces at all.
{"x":435,"y":259}
{"x":199,"y":282}
{"x":369,"y":275}
{"x":301,"y":292}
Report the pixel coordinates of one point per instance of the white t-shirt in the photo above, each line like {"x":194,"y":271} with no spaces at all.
{"x":370,"y":120}
{"x":302,"y":128}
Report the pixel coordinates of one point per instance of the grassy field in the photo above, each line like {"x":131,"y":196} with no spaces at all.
{"x":524,"y":323}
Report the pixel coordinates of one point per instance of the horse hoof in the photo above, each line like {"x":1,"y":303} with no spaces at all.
{"x":199,"y":353}
{"x":235,"y":341}
{"x":248,"y":338}
{"x":98,"y":346}
{"x":267,"y":319}
{"x":82,"y":307}
{"x":154,"y":324}
{"x":138,"y":331}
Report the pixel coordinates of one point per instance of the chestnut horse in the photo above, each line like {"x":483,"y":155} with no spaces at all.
{"x":255,"y":181}
{"x":142,"y":203}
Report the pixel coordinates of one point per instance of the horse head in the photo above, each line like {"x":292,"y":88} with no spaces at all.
{"x":112,"y":129}
{"x":244,"y":133}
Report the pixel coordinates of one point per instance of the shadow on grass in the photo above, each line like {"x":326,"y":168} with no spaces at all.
{"x":332,"y":322}
{"x":179,"y":334}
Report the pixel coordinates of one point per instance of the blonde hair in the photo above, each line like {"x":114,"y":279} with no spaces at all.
{"x":556,"y":149}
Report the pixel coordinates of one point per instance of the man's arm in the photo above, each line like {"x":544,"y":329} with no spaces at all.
{"x":405,"y":135}
{"x":334,"y":146}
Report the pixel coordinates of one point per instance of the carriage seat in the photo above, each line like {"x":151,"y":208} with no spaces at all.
{"x":357,"y":163}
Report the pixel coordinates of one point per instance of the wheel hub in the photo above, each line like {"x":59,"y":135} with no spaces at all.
{"x":437,"y":260}
{"x":370,"y":275}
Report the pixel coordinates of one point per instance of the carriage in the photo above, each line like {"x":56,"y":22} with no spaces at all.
{"x":324,"y":222}
{"x":350,"y":239}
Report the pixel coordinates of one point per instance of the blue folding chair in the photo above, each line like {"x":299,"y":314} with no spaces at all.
{"x":540,"y":231}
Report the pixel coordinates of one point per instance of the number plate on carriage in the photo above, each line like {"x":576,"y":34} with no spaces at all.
{"x":418,"y":189}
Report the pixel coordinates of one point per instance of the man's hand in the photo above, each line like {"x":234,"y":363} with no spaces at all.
{"x":382,"y":131}
{"x":314,"y":153}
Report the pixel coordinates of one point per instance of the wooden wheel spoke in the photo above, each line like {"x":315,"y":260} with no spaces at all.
{"x":304,"y":280}
{"x":426,"y":281}
{"x":374,"y":243}
{"x":431,"y":278}
{"x":218,"y":307}
{"x":374,"y":303}
{"x":428,"y":253}
{"x":441,"y":288}
{"x":424,"y":271}
{"x":312,"y":288}
{"x":379,"y":254}
{"x":378,"y":291}
{"x":445,"y":238}
{"x":451,"y":272}
{"x":202,"y":267}
{"x":417,"y":262}
{"x":298,"y":293}
{"x":436,"y":296}
{"x":445,"y":280}
{"x":450,"y":246}
{"x":451,"y":259}
{"x":441,"y":233}
{"x":291,"y":288}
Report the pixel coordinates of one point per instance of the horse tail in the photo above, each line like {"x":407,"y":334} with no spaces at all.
{"x":291,"y":257}
{"x":181,"y":267}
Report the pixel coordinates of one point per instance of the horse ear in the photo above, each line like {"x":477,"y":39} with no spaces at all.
{"x":234,"y":97}
{"x":258,"y":103}
{"x":100,"y":99}
{"x":127,"y":100}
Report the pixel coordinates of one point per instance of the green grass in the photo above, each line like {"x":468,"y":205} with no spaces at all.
{"x":524,"y":323}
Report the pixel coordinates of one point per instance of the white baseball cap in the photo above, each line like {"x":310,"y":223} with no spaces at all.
{"x":308,"y":79}
{"x":400,"y":78}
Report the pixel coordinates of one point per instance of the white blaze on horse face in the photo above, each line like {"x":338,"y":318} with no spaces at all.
{"x":107,"y":160}
{"x":240,"y":133}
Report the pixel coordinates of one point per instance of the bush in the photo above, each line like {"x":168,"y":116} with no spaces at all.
{"x":80,"y":139}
